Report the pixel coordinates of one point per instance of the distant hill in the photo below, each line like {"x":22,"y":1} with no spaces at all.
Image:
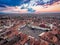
{"x":29,"y":14}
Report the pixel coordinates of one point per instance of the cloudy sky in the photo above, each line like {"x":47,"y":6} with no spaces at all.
{"x":29,"y":6}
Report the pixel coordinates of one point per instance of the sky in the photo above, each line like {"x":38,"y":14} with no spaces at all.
{"x":29,"y":6}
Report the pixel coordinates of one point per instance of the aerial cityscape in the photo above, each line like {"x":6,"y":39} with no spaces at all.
{"x":29,"y":22}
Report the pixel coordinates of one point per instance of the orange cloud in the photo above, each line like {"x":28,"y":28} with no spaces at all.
{"x":52,"y":8}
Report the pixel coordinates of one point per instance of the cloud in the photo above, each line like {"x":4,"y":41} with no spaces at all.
{"x":49,"y":2}
{"x":20,"y":2}
{"x":30,"y":10}
{"x":27,"y":6}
